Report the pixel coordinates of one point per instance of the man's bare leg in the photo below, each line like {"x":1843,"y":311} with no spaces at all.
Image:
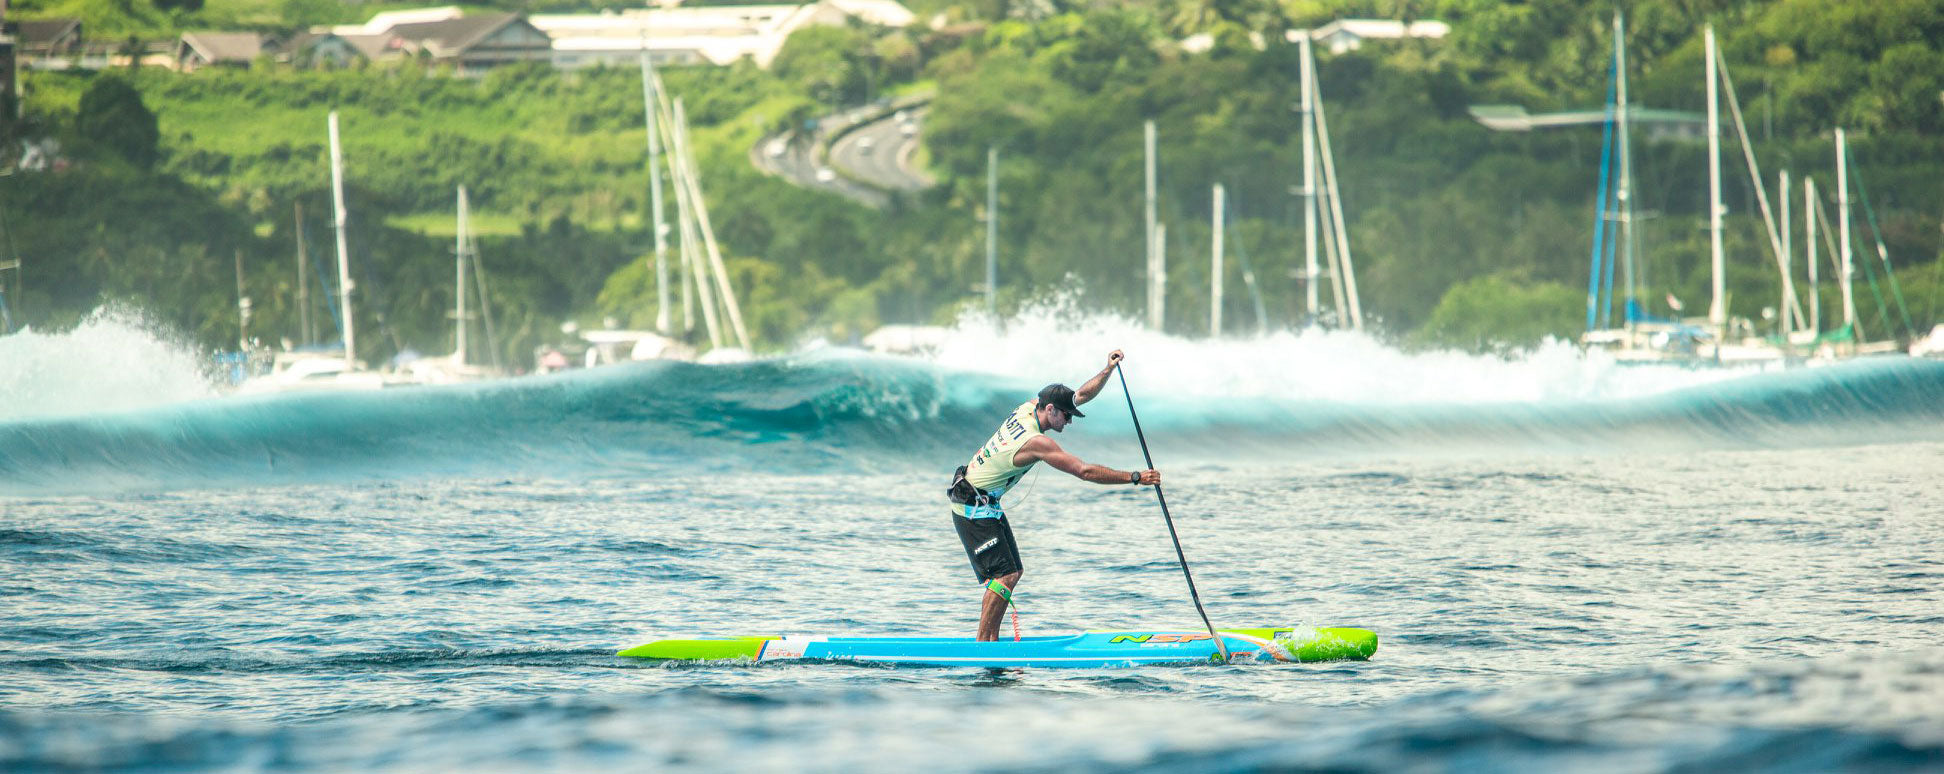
{"x":993,"y":607}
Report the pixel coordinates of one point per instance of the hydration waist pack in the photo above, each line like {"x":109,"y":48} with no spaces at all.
{"x":963,"y":492}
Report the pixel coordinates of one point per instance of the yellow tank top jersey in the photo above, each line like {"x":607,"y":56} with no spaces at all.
{"x":992,"y":468}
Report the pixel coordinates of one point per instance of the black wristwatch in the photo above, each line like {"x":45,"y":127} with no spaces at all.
{"x":1134,"y":477}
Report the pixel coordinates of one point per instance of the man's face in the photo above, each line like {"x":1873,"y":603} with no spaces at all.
{"x":1055,"y":420}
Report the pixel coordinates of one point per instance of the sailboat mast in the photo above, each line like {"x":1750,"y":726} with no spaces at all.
{"x":485,"y":302}
{"x":700,"y":209}
{"x":992,"y":233}
{"x":344,"y":255}
{"x":242,"y":309}
{"x":1843,"y":227}
{"x":459,"y":290}
{"x":1346,"y":270}
{"x":1717,"y":307}
{"x":695,"y":292}
{"x":1160,"y":271}
{"x":1154,"y":279}
{"x":655,"y":188}
{"x":1809,"y":221}
{"x":1310,"y":273}
{"x":1215,"y":264}
{"x":1788,"y":253}
{"x":1789,"y":304}
{"x":305,"y":333}
{"x":1623,"y":195}
{"x":663,"y":121}
{"x":687,"y":247}
{"x":1334,"y":257}
{"x":695,"y":289}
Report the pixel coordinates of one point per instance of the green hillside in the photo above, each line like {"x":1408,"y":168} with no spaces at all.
{"x":1463,"y":236}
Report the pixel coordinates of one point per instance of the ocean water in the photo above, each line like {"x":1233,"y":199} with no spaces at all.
{"x":1571,"y":565}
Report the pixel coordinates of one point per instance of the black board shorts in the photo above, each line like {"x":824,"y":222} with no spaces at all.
{"x":989,"y":544}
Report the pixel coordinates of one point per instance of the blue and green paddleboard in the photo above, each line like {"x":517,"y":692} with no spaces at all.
{"x":1086,"y":650}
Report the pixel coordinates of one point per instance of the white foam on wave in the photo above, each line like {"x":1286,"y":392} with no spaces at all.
{"x":1055,"y":341}
{"x":114,"y":360}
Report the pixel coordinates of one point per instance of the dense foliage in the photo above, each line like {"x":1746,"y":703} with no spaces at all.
{"x":1434,"y":199}
{"x":1462,"y":236}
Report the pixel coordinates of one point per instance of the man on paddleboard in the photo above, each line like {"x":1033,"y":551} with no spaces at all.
{"x":1018,"y":444}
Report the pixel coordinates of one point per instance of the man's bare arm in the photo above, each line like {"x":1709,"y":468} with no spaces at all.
{"x":1044,"y":449}
{"x":1092,"y":387}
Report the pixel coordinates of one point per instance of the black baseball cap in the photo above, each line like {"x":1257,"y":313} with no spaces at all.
{"x":1059,"y":396}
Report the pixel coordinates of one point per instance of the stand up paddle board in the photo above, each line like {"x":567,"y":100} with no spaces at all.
{"x":1087,"y":649}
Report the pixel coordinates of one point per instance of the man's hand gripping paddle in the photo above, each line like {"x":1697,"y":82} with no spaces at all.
{"x":1121,"y":370}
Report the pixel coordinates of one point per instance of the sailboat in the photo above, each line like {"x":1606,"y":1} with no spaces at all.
{"x":456,"y":367}
{"x":703,"y":278}
{"x":1737,"y":340}
{"x":1322,"y":200}
{"x":1327,"y":204}
{"x":1850,"y":340}
{"x":1719,"y":338}
{"x":309,"y":370}
{"x":1641,"y":337}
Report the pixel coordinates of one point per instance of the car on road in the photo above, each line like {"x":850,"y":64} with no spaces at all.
{"x":825,"y":175}
{"x":777,"y":147}
{"x":865,"y":144}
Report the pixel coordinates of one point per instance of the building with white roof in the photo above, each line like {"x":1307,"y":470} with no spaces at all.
{"x":1349,"y":34}
{"x":712,"y":34}
{"x":883,"y":13}
{"x":382,"y":23}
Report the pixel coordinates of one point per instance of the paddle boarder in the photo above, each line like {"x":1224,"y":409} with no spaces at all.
{"x":1020,"y":442}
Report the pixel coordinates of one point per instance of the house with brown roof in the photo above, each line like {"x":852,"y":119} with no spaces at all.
{"x":196,"y":50}
{"x":321,"y":48}
{"x":474,"y":44}
{"x":436,"y":36}
{"x":58,"y":44}
{"x":43,"y":39}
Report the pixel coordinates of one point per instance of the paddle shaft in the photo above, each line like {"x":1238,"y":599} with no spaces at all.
{"x":1179,"y":554}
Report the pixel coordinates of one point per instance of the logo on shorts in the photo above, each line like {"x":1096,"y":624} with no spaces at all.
{"x":983,"y":546}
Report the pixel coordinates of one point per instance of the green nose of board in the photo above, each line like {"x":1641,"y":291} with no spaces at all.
{"x":1335,"y":644}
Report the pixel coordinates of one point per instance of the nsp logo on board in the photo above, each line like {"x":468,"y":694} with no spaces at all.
{"x":1158,"y":639}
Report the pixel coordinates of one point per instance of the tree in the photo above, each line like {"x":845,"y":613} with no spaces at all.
{"x":309,"y":12}
{"x":112,"y":118}
{"x":1501,"y":313}
{"x":824,"y":62}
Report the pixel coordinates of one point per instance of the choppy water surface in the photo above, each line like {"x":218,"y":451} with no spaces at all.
{"x":1737,"y":572}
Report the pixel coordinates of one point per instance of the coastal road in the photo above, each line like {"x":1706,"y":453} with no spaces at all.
{"x":879,"y":153}
{"x":869,"y":157}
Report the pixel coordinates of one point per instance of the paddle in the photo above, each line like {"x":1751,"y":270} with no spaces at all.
{"x":1219,"y":647}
